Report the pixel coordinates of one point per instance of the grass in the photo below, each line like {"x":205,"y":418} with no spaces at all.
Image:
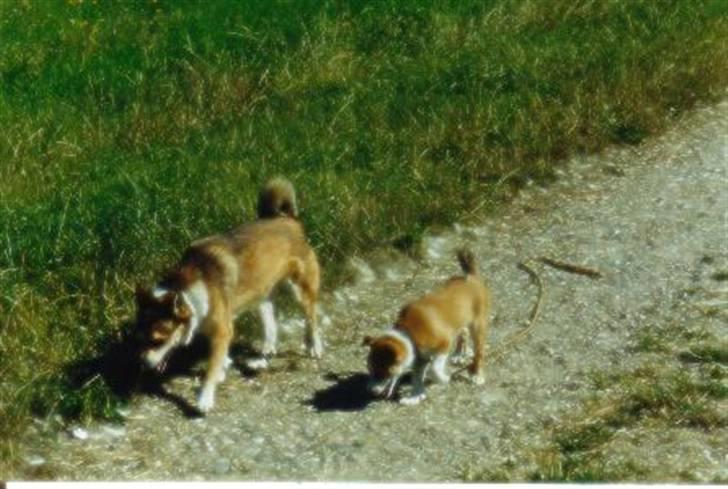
{"x":681,"y":385}
{"x":578,"y":453}
{"x":130,"y":128}
{"x":675,"y":390}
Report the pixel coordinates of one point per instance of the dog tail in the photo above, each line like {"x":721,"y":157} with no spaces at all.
{"x":467,"y":262}
{"x":277,"y":199}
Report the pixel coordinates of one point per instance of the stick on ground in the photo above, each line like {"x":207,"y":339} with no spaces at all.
{"x":568,"y":267}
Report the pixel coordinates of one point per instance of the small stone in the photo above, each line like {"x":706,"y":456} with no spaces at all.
{"x":35,"y":460}
{"x":79,"y":433}
{"x":123,"y":412}
{"x":222,"y":466}
{"x":114,"y":431}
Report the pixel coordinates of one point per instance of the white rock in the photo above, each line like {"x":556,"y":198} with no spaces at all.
{"x":35,"y":460}
{"x":113,"y":431}
{"x":79,"y":433}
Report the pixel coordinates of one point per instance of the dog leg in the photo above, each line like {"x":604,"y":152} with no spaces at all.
{"x":314,"y":344}
{"x":225,"y":366}
{"x":295,"y":290}
{"x":462,"y":349}
{"x":220,"y":345}
{"x":418,"y":384}
{"x":308,"y":282}
{"x":478,"y":332}
{"x":270,"y":328}
{"x":439,"y":365}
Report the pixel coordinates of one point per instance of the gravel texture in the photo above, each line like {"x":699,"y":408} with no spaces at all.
{"x":652,"y":219}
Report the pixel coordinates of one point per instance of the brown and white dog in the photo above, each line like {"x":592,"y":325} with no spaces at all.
{"x":221,"y":276}
{"x":426,"y":331}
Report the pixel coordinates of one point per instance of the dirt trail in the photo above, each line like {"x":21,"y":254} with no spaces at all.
{"x":652,"y":219}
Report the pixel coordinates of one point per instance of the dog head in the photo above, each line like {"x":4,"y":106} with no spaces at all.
{"x":162,"y":323}
{"x":389,"y":356}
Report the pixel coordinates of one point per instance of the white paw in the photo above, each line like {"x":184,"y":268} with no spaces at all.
{"x":257,"y":363}
{"x":412,"y":400}
{"x":315,"y":347}
{"x":206,"y":400}
{"x":269,"y":349}
{"x":477,"y":379}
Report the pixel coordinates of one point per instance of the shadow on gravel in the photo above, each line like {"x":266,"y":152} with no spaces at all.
{"x":346,"y":394}
{"x":119,"y":368}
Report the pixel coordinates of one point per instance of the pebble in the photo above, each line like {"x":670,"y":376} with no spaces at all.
{"x":79,"y":433}
{"x":364,"y":272}
{"x":35,"y":460}
{"x":114,"y":431}
{"x":222,"y":466}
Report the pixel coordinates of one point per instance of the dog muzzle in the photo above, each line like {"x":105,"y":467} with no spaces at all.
{"x":158,"y":358}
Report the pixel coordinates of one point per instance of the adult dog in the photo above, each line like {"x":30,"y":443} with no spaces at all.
{"x":221,"y":276}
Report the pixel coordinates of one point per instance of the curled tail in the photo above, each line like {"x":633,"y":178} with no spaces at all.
{"x":467,"y":262}
{"x":277,"y":199}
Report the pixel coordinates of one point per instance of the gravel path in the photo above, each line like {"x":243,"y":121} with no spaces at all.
{"x":652,"y":219}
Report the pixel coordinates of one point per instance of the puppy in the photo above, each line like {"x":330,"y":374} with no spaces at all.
{"x":426,"y":331}
{"x":221,"y":276}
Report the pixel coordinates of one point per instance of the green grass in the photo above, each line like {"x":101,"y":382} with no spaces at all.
{"x":680,"y":385}
{"x":674,"y":390}
{"x":130,"y":128}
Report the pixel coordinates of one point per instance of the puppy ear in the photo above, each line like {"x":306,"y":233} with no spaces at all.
{"x":180,"y":308}
{"x":368,"y":340}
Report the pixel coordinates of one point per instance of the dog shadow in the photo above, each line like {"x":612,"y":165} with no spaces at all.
{"x":347,"y":393}
{"x":118,"y":365}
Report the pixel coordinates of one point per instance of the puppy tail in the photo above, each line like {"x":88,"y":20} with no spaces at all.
{"x":277,"y":199}
{"x":467,"y":262}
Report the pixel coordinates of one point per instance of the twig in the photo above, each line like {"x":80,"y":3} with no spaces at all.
{"x":568,"y":267}
{"x":507,"y":344}
{"x":518,"y":336}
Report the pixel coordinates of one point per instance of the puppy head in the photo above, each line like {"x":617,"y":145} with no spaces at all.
{"x":161,"y":323}
{"x":389,"y":356}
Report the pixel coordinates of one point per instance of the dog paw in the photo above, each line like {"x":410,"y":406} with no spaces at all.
{"x":257,"y":363}
{"x":206,"y":400}
{"x":477,"y":380}
{"x":315,"y":347}
{"x":269,"y":350}
{"x":412,"y":400}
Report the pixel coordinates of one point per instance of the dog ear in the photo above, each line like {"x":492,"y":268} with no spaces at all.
{"x":368,"y":340}
{"x":180,"y":308}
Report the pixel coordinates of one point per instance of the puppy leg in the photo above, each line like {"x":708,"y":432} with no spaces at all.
{"x":419,"y":373}
{"x":439,"y":366}
{"x":462,"y":349}
{"x":219,"y":347}
{"x":270,"y":328}
{"x":478,"y":333}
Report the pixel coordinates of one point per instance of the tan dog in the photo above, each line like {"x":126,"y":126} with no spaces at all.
{"x":221,"y":276}
{"x":426,"y":332}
